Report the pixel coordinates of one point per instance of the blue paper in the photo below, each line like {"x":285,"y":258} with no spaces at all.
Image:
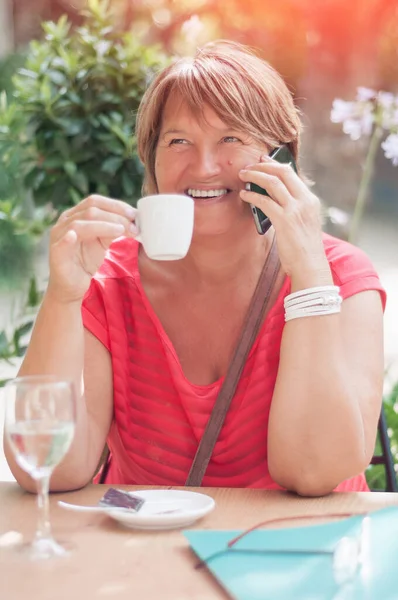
{"x":272,"y":576}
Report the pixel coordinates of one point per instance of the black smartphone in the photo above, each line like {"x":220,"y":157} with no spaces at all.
{"x":262,"y":222}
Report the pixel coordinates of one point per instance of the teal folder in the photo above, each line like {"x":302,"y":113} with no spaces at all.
{"x":334,"y":575}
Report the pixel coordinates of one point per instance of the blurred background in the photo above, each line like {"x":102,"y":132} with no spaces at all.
{"x":72,"y":73}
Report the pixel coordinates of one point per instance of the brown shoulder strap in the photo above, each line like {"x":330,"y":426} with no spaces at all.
{"x":250,"y":329}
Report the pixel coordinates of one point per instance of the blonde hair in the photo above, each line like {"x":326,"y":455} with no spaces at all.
{"x":243,"y":90}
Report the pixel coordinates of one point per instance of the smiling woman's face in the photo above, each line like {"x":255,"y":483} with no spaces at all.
{"x":202,"y":158}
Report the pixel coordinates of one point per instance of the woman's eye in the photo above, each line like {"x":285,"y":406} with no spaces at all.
{"x":231,"y":138}
{"x":177,"y":141}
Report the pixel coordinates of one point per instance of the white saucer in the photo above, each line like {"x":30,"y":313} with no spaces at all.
{"x":165,"y":509}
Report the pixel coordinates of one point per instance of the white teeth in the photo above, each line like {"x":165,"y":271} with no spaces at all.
{"x":206,"y":193}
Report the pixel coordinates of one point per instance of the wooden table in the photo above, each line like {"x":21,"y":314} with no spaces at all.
{"x":109,"y":561}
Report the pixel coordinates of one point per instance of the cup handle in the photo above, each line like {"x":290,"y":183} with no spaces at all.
{"x":137,"y":224}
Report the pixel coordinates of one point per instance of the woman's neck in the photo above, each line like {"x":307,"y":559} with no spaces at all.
{"x":214,"y":260}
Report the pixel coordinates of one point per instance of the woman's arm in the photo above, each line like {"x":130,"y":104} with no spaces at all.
{"x":61,"y":346}
{"x":327,"y":398}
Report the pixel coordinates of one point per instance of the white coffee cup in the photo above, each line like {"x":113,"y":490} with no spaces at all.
{"x":165,"y":225}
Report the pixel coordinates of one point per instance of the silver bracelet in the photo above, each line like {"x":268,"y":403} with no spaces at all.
{"x":313,"y":290}
{"x":298,"y":314}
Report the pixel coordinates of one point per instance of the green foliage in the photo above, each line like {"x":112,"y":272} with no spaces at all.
{"x":14,"y":344}
{"x":8,"y":66}
{"x":15,"y":149}
{"x":375,"y":474}
{"x":20,"y":222}
{"x":11,"y":347}
{"x":78,"y":94}
{"x":20,"y":228}
{"x":16,"y":256}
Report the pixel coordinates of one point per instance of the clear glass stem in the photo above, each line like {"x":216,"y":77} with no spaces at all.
{"x":43,"y":531}
{"x":364,"y":184}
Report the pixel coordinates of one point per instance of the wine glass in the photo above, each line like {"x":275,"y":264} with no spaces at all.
{"x":40,"y":421}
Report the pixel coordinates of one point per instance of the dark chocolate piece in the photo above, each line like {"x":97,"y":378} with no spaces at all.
{"x":119,"y":499}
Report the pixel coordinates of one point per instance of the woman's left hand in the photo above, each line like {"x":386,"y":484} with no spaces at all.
{"x":295,"y":213}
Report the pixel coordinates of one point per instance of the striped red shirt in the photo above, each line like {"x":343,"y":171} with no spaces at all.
{"x":159,"y":416}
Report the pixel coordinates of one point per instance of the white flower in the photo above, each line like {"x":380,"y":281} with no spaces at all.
{"x":352,"y":127}
{"x":389,"y":118}
{"x":364,"y":94}
{"x":386,"y":99}
{"x":342,"y":110}
{"x":361,"y":124}
{"x":357,"y":117}
{"x":390,"y":147}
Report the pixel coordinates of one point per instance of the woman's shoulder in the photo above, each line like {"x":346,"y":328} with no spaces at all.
{"x":121,"y":260}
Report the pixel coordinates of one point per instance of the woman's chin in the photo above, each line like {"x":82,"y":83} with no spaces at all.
{"x":222,"y":223}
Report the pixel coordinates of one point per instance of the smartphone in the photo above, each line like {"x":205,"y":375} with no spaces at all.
{"x":262,"y":222}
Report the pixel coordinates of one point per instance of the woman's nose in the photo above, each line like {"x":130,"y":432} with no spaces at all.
{"x":207,"y":164}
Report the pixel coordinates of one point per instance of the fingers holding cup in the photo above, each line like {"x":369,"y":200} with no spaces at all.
{"x":101,"y":210}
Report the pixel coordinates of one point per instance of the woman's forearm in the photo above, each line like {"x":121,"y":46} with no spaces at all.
{"x":57,"y":348}
{"x":315,"y":427}
{"x":57,"y":342}
{"x":317,"y":435}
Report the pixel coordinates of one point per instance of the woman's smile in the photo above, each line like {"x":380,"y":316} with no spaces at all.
{"x":214,"y":195}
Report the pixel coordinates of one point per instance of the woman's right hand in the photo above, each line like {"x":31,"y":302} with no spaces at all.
{"x":79,"y":240}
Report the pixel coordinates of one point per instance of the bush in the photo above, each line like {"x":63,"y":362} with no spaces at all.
{"x":78,"y":93}
{"x":8,"y":67}
{"x":21,"y":223}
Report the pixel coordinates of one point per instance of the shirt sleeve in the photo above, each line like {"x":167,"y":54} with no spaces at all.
{"x":94,"y":313}
{"x":354,"y":272}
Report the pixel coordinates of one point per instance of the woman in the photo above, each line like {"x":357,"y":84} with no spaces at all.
{"x":148,"y":343}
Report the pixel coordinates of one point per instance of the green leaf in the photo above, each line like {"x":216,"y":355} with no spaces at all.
{"x":35,"y":179}
{"x":70,"y":168}
{"x":57,"y":31}
{"x":24,"y":329}
{"x":128,"y":185}
{"x":75,"y":98}
{"x":70,"y":126}
{"x":112,"y":164}
{"x":62,"y":146}
{"x":45,"y":90}
{"x":102,"y":189}
{"x":80,"y":181}
{"x":115,"y":116}
{"x":53,"y":162}
{"x":105,"y":121}
{"x":4,"y":344}
{"x":113,"y":146}
{"x":56,"y":77}
{"x":33,"y":293}
{"x":15,"y":339}
{"x":27,"y":73}
{"x":21,"y":350}
{"x":74,"y":196}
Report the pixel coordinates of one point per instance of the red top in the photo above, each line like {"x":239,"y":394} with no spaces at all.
{"x":159,"y":416}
